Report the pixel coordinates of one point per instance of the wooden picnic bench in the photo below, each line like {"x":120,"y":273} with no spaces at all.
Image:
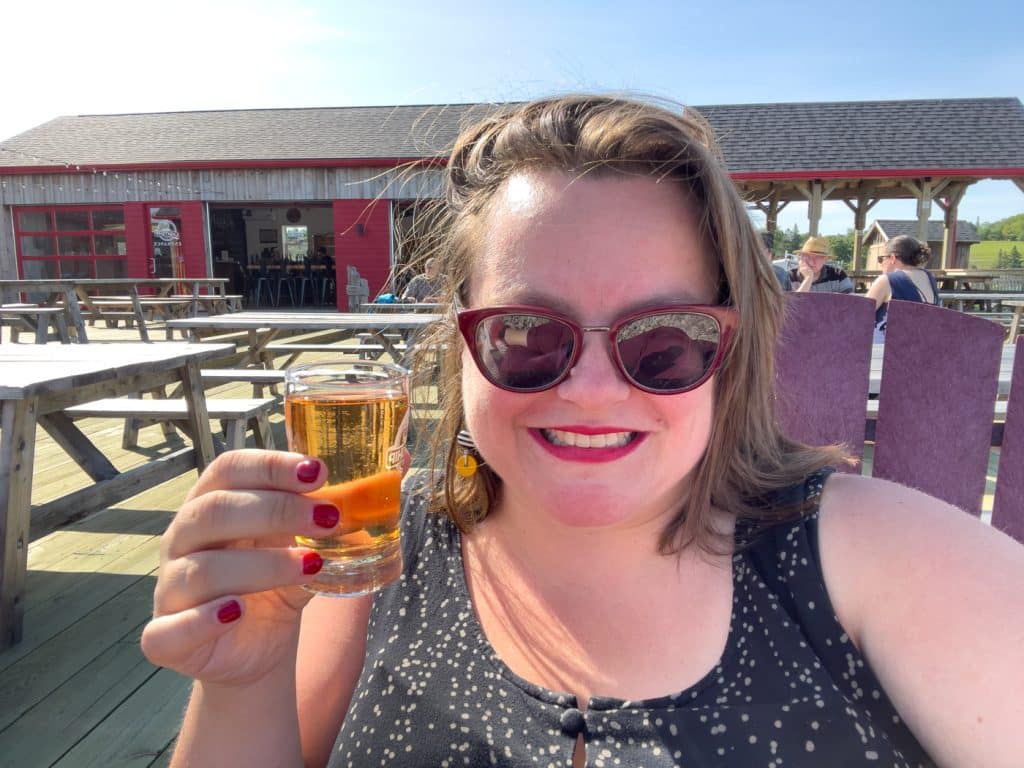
{"x":365,"y":351}
{"x":258,"y":377}
{"x":235,"y":415}
{"x":112,"y":309}
{"x":38,"y":384}
{"x":37,"y":319}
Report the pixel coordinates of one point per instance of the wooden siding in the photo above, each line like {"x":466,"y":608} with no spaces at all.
{"x":242,"y":186}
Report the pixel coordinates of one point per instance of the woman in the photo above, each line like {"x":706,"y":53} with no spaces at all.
{"x":643,"y":570}
{"x":903,"y":278}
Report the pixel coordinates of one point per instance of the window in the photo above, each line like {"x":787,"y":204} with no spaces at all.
{"x":75,"y":242}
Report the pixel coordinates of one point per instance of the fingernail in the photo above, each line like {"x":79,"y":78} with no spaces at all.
{"x":229,"y":612}
{"x":312,"y":563}
{"x":325,"y":515}
{"x":308,"y":471}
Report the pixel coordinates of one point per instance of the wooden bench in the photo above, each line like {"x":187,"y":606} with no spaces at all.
{"x":220,"y":302}
{"x":36,"y":318}
{"x":234,"y":414}
{"x":364,"y":351}
{"x":258,"y":377}
{"x":113,"y":308}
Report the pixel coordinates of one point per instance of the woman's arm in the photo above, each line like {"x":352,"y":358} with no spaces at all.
{"x":332,"y":645}
{"x":934,"y":599}
{"x":235,"y":725}
{"x":880,"y":291}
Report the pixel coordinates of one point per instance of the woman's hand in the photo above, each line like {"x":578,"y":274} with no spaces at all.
{"x":228,"y":596}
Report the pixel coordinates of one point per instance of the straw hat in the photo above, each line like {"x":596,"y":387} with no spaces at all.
{"x":815,"y":246}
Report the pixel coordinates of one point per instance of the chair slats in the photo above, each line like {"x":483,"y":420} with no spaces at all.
{"x":940,"y":374}
{"x":1008,"y":506}
{"x":823,"y":364}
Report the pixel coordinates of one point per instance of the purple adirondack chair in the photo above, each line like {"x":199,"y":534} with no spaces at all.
{"x":822,"y":367}
{"x":1008,"y":507}
{"x":940,"y":374}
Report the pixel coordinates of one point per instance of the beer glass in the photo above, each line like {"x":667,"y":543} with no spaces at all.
{"x":354,"y":417}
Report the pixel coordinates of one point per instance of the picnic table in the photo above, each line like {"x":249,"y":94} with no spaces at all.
{"x":78,"y":294}
{"x":39,"y":382}
{"x":264,"y":327}
{"x":957,"y":299}
{"x":402,"y":306}
{"x":59,"y":293}
{"x":947,"y":279}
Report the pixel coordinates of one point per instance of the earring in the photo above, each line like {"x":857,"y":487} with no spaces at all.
{"x":466,"y":463}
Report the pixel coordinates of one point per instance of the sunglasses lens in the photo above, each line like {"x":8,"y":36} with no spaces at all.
{"x":668,"y":352}
{"x":523,"y":351}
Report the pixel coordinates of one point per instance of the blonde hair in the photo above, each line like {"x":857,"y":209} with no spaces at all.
{"x":747,"y":460}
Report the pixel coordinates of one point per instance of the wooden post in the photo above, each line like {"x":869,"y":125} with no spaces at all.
{"x":817,"y":193}
{"x":860,"y":211}
{"x":198,"y":418}
{"x":950,"y":205}
{"x":17,"y":454}
{"x":771,"y":208}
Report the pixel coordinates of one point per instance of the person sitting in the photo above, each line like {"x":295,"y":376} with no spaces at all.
{"x":641,"y":569}
{"x":903,"y":278}
{"x":428,"y":286}
{"x":815,"y":272}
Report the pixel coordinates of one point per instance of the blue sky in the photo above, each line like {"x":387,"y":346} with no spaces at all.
{"x":118,"y":56}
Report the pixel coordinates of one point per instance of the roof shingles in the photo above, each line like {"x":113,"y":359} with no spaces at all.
{"x":960,"y":134}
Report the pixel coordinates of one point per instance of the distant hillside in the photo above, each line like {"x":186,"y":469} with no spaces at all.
{"x":985,"y":255}
{"x":1010,"y":228}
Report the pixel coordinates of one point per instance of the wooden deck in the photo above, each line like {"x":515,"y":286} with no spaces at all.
{"x":77,"y":691}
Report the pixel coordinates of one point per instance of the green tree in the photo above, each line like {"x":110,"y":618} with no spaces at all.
{"x":1010,"y":228}
{"x":789,"y":241}
{"x":842,"y":247}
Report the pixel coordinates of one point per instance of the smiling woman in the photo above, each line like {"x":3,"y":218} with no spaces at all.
{"x":615,"y":557}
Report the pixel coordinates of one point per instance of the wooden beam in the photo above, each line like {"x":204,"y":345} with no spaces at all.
{"x":77,"y":446}
{"x":92,"y":498}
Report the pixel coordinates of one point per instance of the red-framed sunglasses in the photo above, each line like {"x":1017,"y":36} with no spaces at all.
{"x":665,"y":350}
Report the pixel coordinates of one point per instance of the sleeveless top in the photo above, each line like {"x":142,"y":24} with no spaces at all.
{"x":790,"y":689}
{"x":903,"y":289}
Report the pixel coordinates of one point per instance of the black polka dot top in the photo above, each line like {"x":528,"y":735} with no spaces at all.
{"x":790,"y":689}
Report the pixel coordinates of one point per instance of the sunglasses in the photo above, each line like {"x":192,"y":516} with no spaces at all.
{"x":665,"y":351}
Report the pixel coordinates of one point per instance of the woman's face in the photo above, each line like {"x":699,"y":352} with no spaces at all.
{"x":594,"y":249}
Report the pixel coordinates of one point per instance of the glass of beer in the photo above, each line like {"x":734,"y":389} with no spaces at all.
{"x":354,"y":417}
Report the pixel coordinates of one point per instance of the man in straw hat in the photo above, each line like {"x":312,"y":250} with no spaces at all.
{"x":815,"y":274}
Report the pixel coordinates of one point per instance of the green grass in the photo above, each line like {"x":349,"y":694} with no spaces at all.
{"x":985,"y":255}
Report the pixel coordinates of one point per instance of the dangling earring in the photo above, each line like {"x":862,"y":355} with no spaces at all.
{"x":466,"y":463}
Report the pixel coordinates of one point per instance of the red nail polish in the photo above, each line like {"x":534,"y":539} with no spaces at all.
{"x":229,"y":612}
{"x":308,"y":471}
{"x":312,"y":563}
{"x":325,"y":515}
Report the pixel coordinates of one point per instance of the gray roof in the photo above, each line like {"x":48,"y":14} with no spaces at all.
{"x":965,"y":231}
{"x":871,"y":135}
{"x":961,"y":134}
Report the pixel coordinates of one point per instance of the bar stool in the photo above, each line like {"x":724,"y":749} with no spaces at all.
{"x":303,"y":279}
{"x":282,"y":277}
{"x":261,"y":284}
